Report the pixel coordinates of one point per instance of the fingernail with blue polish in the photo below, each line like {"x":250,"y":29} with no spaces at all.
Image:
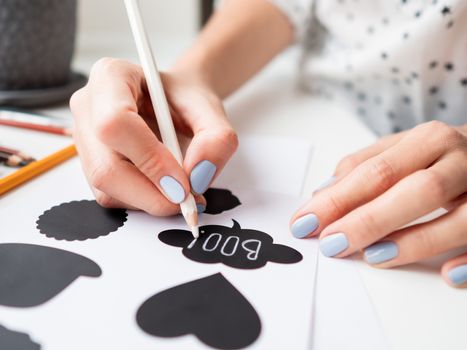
{"x":172,"y":189}
{"x":380,"y":252}
{"x":200,"y":208}
{"x":326,"y":183}
{"x":305,"y":225}
{"x":201,"y":176}
{"x":333,"y":244}
{"x":458,"y":274}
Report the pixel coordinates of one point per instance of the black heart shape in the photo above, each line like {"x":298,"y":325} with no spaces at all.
{"x":11,"y":340}
{"x":32,"y":274}
{"x":211,"y":308}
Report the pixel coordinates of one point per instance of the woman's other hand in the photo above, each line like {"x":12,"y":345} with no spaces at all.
{"x":380,"y":190}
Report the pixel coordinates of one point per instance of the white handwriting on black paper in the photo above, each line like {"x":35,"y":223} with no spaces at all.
{"x":232,"y":246}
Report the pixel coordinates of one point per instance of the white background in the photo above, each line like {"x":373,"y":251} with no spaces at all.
{"x":102,"y":23}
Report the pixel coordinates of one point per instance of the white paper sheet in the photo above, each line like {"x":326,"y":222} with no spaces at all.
{"x":344,"y":317}
{"x":100,"y":312}
{"x":269,"y":164}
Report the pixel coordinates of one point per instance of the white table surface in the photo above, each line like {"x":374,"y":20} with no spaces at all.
{"x":416,"y":308}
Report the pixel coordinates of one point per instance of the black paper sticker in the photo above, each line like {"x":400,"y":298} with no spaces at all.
{"x":11,"y":340}
{"x":80,"y":220}
{"x":31,"y":274}
{"x":210,"y":308}
{"x":232,"y":246}
{"x":219,"y":200}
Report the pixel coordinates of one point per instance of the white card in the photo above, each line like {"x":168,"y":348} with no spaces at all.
{"x":100,"y":312}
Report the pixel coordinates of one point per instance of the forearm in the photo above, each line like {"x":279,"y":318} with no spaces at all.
{"x":240,"y":39}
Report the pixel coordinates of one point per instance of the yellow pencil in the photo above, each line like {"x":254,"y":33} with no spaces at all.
{"x":35,"y":168}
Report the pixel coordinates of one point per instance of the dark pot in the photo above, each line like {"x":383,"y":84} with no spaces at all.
{"x":37,"y":40}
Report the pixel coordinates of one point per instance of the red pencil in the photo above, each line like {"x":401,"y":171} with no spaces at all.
{"x":34,"y":122}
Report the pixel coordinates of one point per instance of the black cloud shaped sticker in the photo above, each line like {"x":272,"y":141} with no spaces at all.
{"x":211,"y":308}
{"x":31,"y":274}
{"x":232,"y":246}
{"x":11,"y":340}
{"x":219,"y":200}
{"x":80,"y":220}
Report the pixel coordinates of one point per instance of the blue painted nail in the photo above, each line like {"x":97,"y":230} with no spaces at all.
{"x":305,"y":225}
{"x":458,"y":274}
{"x":172,"y":188}
{"x":201,"y":176}
{"x":333,"y":244}
{"x":380,"y":252}
{"x":326,"y":183}
{"x":200,"y":208}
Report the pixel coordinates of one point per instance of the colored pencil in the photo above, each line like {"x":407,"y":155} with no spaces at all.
{"x":34,"y":122}
{"x":160,"y":105}
{"x":35,"y":168}
{"x":16,"y":152}
{"x":12,"y":159}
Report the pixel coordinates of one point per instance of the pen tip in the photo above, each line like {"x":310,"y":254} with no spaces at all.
{"x":195,"y":231}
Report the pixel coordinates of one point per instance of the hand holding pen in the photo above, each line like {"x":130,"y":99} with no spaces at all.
{"x":125,"y":162}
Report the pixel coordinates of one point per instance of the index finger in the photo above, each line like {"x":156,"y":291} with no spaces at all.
{"x":213,"y":143}
{"x":366,"y":182}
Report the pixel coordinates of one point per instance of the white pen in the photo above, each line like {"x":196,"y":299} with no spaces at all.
{"x":160,"y":105}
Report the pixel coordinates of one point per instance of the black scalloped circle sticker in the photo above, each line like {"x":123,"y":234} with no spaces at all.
{"x":80,"y":220}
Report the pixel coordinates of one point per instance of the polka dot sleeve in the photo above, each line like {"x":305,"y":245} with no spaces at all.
{"x":298,"y":12}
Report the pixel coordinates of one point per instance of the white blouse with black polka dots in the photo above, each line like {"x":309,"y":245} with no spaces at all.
{"x":397,"y":63}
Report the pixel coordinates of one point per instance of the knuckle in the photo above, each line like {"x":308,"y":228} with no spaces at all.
{"x":454,"y":138}
{"x":100,"y":176}
{"x":382,"y":173}
{"x":105,"y":64}
{"x":433,"y":126}
{"x":229,"y":137}
{"x":107,"y":126}
{"x":371,"y":228}
{"x":150,"y":165}
{"x":347,"y":163}
{"x":334,"y":207}
{"x":444,"y":133}
{"x":162,"y":208}
{"x":427,"y":246}
{"x":104,"y":200}
{"x":108,"y":66}
{"x":449,"y":135}
{"x":77,"y":100}
{"x":435,"y":185}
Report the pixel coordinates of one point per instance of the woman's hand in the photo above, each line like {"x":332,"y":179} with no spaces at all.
{"x":379,"y":190}
{"x":124,"y":161}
